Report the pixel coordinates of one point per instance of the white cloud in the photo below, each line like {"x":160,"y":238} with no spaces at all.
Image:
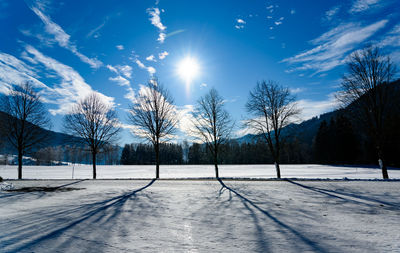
{"x":312,"y":108}
{"x":363,"y":5}
{"x":151,"y":58}
{"x":120,"y":81}
{"x":120,"y":47}
{"x":151,"y":70}
{"x":140,"y":64}
{"x":329,"y":14}
{"x":186,"y":119}
{"x":130,"y":94}
{"x":203,"y":85}
{"x":156,"y":21}
{"x":240,"y":23}
{"x":155,"y":18}
{"x":279,"y":21}
{"x":161,"y":37}
{"x":63,"y":39}
{"x":292,"y":11}
{"x":296,"y":90}
{"x":15,"y":72}
{"x":124,"y":70}
{"x":162,"y":55}
{"x":392,"y":38}
{"x":111,"y":68}
{"x":332,"y":47}
{"x":71,"y":87}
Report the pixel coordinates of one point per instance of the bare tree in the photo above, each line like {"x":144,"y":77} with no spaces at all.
{"x":95,"y":122}
{"x":272,"y":108}
{"x":25,"y":120}
{"x":212,"y":124}
{"x":366,"y":88}
{"x":154,"y":116}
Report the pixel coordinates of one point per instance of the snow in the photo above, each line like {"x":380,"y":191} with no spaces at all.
{"x":6,"y":186}
{"x":196,"y":171}
{"x":201,"y":216}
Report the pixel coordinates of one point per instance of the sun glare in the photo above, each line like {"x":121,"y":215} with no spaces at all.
{"x":188,"y":69}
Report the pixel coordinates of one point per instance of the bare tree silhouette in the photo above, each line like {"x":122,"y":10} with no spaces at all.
{"x":272,"y":107}
{"x":26,"y":117}
{"x":212,"y":124}
{"x":95,"y":122}
{"x":154,"y":116}
{"x":366,"y":87}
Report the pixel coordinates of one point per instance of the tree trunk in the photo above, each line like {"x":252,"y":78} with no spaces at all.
{"x":157,"y":151}
{"x":94,"y":164}
{"x":382,"y":164}
{"x":216,"y":165}
{"x":278,"y":170}
{"x":19,"y":164}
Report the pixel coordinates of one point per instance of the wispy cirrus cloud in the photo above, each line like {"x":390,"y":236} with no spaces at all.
{"x":331,"y":13}
{"x":63,"y":39}
{"x":120,"y":81}
{"x":13,"y":71}
{"x":156,"y":21}
{"x":149,"y":69}
{"x":363,"y":5}
{"x":332,"y":47}
{"x":72,"y":86}
{"x":123,"y":72}
{"x":68,"y":85}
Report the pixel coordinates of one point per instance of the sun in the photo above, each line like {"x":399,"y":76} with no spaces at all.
{"x":188,"y":69}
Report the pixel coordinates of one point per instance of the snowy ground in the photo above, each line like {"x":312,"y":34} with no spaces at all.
{"x":196,"y":171}
{"x":201,"y":216}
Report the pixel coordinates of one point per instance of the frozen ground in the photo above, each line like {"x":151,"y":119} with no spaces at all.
{"x":201,"y":216}
{"x":195,"y":171}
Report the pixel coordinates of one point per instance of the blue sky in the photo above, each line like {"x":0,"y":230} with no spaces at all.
{"x":71,"y":48}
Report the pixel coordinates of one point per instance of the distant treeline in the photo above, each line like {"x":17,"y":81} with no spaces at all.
{"x":144,"y":154}
{"x":337,"y":141}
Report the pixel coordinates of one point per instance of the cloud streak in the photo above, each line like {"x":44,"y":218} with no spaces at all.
{"x":72,"y":86}
{"x":332,"y":47}
{"x":149,"y":69}
{"x":363,"y":5}
{"x":63,"y":39}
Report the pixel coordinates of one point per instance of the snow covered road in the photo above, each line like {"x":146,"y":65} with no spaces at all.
{"x":201,"y":216}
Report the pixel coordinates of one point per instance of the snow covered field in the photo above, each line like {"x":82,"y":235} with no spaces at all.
{"x":201,"y":216}
{"x":195,"y":171}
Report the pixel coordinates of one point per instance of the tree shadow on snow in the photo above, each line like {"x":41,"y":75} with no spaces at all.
{"x":39,"y":191}
{"x":348,"y":196}
{"x":284,"y":228}
{"x":67,"y":226}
